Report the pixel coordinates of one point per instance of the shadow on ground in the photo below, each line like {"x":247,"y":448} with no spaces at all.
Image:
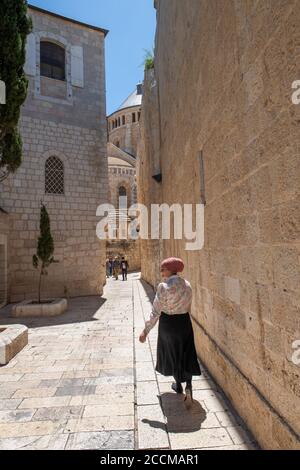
{"x":148,"y":290}
{"x":179,"y":418}
{"x":83,"y":309}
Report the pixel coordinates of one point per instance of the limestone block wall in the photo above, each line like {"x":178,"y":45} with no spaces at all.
{"x":72,"y":129}
{"x":224,"y":73}
{"x":148,"y":165}
{"x":4,"y":232}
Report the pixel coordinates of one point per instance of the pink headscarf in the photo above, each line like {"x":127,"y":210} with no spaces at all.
{"x":174,"y":265}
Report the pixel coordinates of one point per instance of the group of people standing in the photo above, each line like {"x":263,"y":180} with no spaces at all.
{"x":116,"y":265}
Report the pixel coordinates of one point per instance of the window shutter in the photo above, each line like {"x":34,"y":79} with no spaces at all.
{"x":30,"y":64}
{"x":77,"y":66}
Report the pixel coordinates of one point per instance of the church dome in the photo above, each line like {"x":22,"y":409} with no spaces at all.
{"x":135,"y":99}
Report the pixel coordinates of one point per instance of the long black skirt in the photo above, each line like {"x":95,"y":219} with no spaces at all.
{"x":176,"y":352}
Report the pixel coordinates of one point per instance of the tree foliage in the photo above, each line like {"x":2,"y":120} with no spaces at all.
{"x":14,"y":28}
{"x":45,"y":250}
{"x":149,"y":60}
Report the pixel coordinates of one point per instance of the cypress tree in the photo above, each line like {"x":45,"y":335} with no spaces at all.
{"x":14,"y":28}
{"x":45,"y":249}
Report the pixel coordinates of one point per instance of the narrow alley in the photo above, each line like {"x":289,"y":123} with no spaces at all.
{"x":85,"y":382}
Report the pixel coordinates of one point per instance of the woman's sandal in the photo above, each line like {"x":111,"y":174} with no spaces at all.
{"x":177,"y":387}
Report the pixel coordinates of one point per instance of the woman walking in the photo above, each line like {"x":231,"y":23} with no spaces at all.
{"x":176,"y":353}
{"x":124,"y":267}
{"x":108,"y":268}
{"x":116,"y":268}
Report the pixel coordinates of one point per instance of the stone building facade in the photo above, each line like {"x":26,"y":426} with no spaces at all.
{"x":224,"y":96}
{"x":63,"y":127}
{"x":123,"y":124}
{"x":122,"y":152}
{"x":4,"y":230}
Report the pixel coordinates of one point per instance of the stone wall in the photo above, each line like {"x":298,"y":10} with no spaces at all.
{"x":224,"y":73}
{"x":72,"y":129}
{"x":149,"y":190}
{"x":4,"y":232}
{"x":4,"y":223}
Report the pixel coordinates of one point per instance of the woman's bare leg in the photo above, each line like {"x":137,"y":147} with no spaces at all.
{"x":189,"y":392}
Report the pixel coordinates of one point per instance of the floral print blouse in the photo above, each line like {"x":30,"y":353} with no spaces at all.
{"x":173,"y":297}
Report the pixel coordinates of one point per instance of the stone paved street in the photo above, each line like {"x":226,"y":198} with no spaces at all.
{"x":85,"y":382}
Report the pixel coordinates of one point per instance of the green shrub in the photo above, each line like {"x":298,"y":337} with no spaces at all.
{"x":44,"y":256}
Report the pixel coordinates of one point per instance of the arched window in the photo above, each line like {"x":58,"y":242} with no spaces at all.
{"x":123,"y":120}
{"x":122,"y":191}
{"x":53,"y":61}
{"x":117,"y":143}
{"x":133,"y":117}
{"x":54,"y":176}
{"x":123,"y":203}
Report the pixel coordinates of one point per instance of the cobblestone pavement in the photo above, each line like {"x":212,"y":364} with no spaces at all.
{"x":85,"y":382}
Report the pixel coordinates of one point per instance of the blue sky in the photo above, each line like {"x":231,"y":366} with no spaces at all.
{"x":132,"y":28}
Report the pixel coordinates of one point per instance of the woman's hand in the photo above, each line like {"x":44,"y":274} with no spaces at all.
{"x":143,"y":337}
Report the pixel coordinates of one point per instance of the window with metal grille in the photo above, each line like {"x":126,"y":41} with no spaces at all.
{"x":53,"y":61}
{"x":54,"y":176}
